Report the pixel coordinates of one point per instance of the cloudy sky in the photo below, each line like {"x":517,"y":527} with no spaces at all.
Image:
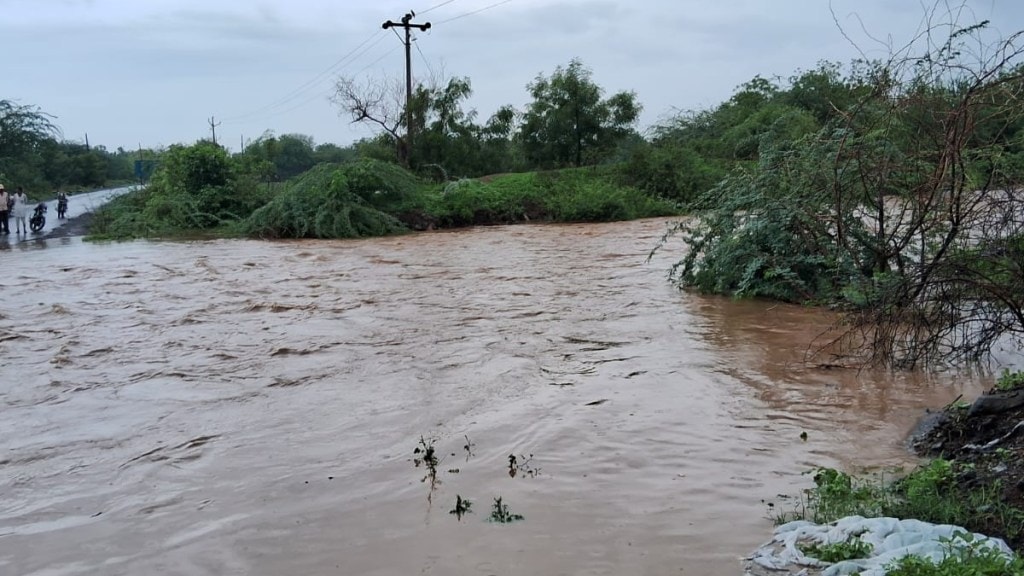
{"x":152,"y":72}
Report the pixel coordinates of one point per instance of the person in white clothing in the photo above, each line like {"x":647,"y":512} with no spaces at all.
{"x":20,"y":211}
{"x":5,"y":207}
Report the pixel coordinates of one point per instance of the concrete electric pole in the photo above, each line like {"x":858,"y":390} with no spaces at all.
{"x":407,"y":24}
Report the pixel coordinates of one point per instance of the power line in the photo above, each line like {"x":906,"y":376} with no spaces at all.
{"x":351,"y":56}
{"x":434,"y":7}
{"x":425,"y":63}
{"x":371,"y":65}
{"x":495,"y":5}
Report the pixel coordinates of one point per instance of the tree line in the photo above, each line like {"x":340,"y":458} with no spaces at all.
{"x":34,"y":155}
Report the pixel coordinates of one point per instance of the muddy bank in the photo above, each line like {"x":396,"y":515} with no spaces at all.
{"x":985,"y":440}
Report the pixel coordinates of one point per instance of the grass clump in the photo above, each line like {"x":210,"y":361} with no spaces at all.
{"x":935,"y":492}
{"x":1010,"y":380}
{"x":939,"y":492}
{"x":850,"y":549}
{"x":964,"y":557}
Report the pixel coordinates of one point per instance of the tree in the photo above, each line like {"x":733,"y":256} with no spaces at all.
{"x":904,"y":209}
{"x":23,"y":129}
{"x":333,"y":154}
{"x":378,"y":102}
{"x":294,"y":155}
{"x":568,"y":122}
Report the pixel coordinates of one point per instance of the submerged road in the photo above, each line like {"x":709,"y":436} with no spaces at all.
{"x":78,"y":205}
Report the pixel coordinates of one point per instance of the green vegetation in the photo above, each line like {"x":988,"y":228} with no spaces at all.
{"x":886,"y":190}
{"x":462,"y":507}
{"x":330,"y":202}
{"x":196,"y":188}
{"x":501,"y":514}
{"x":964,"y":558}
{"x":934,"y":493}
{"x":1010,"y":380}
{"x":35,"y":156}
{"x":200,"y":188}
{"x":848,"y":550}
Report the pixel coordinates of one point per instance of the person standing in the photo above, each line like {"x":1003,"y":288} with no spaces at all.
{"x":20,"y":210}
{"x":5,"y":207}
{"x":62,"y":204}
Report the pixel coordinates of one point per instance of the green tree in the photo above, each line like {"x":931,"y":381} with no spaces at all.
{"x":23,"y":129}
{"x":903,"y":209}
{"x":446,"y":139}
{"x":294,"y":155}
{"x":333,"y":154}
{"x":569,"y":123}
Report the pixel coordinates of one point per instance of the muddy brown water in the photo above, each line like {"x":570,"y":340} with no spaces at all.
{"x":244,"y":407}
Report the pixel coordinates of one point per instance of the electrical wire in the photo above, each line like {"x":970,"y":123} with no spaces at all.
{"x":434,"y":7}
{"x":495,"y":5}
{"x":425,"y":63}
{"x":352,"y":55}
{"x":370,"y":65}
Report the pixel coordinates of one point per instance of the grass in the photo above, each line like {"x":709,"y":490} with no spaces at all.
{"x":933,"y":493}
{"x":575,"y":195}
{"x":1010,"y":380}
{"x":971,"y":559}
{"x":839,"y":551}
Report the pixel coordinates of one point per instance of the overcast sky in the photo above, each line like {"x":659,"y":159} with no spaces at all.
{"x":152,"y":72}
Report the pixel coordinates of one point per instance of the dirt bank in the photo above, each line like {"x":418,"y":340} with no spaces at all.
{"x":985,"y":440}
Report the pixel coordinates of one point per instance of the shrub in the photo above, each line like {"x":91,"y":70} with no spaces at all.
{"x":320,"y":204}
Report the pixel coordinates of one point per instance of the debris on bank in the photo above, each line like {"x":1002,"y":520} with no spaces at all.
{"x":886,"y":540}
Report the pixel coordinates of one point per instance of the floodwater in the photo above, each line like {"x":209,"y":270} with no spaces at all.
{"x":245,"y":407}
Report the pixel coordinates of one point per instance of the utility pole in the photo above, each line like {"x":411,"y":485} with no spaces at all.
{"x":407,"y":24}
{"x":213,"y":129}
{"x":86,"y":141}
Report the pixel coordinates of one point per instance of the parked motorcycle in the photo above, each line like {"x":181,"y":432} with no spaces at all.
{"x":37,"y":221}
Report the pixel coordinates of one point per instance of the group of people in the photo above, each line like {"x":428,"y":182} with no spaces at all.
{"x":16,"y":206}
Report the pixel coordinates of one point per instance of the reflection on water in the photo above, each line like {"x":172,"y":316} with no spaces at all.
{"x":253,"y":408}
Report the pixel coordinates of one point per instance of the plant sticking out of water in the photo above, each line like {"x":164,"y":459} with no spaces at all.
{"x":462,"y":507}
{"x":500,"y":513}
{"x":468,"y":447}
{"x":522,"y":466}
{"x":426,"y":455}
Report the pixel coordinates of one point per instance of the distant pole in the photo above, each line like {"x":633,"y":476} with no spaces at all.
{"x":241,"y":143}
{"x":213,"y":129}
{"x":86,"y":141}
{"x":407,"y":24}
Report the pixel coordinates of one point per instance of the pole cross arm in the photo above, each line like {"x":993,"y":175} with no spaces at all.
{"x":389,"y":24}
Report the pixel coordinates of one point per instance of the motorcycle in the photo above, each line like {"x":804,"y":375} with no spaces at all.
{"x":37,"y":221}
{"x":62,"y":208}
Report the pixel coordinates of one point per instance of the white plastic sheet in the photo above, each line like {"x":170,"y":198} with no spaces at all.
{"x":891,"y":539}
